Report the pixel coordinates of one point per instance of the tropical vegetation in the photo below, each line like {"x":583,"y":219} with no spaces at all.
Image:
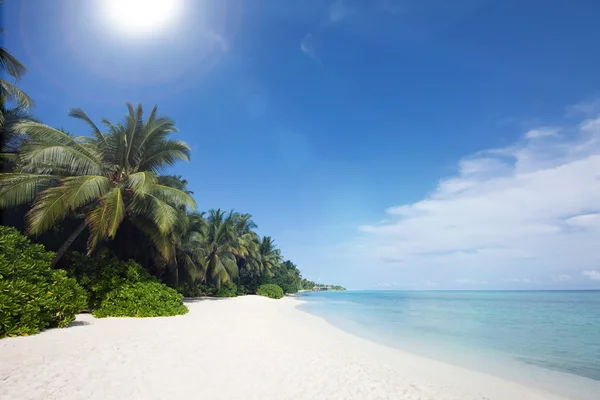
{"x":310,"y":285}
{"x":33,"y":296}
{"x":270,"y":290}
{"x":123,"y":235}
{"x":142,"y":299}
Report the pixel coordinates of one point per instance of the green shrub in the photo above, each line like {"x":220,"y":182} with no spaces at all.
{"x":33,"y":296}
{"x":241,"y":290}
{"x":228,"y":289}
{"x":103,"y":273}
{"x":142,"y":299}
{"x":270,"y":290}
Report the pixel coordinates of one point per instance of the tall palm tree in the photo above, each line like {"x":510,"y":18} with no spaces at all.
{"x":103,"y":178}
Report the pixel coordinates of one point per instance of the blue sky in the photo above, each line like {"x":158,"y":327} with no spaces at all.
{"x":384,"y":144}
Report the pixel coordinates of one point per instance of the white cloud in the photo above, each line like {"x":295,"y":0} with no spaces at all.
{"x":542,"y":132}
{"x":527,"y":209}
{"x":338,"y":11}
{"x":306,"y":45}
{"x":592,"y":274}
{"x":584,"y":221}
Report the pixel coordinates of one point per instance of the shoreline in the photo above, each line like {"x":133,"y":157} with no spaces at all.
{"x":485,"y":361}
{"x":269,"y":348}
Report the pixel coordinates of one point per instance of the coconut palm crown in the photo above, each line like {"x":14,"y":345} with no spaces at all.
{"x":103,"y":178}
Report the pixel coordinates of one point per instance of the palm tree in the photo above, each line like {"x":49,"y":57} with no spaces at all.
{"x":8,"y":91}
{"x":247,"y":241}
{"x":103,"y":178}
{"x":214,"y":247}
{"x":188,"y":239}
{"x":269,"y":255}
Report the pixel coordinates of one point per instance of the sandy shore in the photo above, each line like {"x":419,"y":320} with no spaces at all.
{"x":243,"y":348}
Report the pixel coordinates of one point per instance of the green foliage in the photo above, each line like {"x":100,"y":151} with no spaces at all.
{"x":66,"y":175}
{"x":33,"y":296}
{"x":228,"y":289}
{"x":287,"y":276}
{"x":142,"y":299}
{"x":189,"y":289}
{"x":104,"y":273}
{"x":251,"y":280}
{"x":270,"y":290}
{"x":307,"y":285}
{"x":241,"y":290}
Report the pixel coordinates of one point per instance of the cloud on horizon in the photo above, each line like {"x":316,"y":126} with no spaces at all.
{"x":527,"y":214}
{"x":593,"y":275}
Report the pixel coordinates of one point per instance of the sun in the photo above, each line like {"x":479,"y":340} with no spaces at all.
{"x":141,"y":17}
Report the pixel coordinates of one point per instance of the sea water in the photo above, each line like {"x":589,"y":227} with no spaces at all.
{"x":548,"y":339}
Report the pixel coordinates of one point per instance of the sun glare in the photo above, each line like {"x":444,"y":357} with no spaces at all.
{"x":139,"y":17}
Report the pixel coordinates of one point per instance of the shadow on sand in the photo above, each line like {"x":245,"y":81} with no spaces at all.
{"x":200,"y":299}
{"x":78,"y":323}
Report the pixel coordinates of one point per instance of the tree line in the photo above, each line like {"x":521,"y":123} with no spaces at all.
{"x":108,"y":189}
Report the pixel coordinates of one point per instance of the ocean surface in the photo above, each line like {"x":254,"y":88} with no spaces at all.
{"x":548,"y":339}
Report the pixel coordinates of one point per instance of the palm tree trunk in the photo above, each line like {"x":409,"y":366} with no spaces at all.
{"x":65,"y":246}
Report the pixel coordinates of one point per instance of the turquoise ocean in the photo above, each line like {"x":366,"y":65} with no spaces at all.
{"x":548,"y":339}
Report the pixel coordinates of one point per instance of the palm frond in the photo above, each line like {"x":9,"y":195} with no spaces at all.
{"x":104,"y":220}
{"x":192,"y":267}
{"x":19,"y":188}
{"x":55,"y":203}
{"x":160,"y":213}
{"x":83,"y":189}
{"x":51,"y":148}
{"x":230,"y":265}
{"x":11,"y":65}
{"x":141,"y":183}
{"x":10,"y":137}
{"x":11,"y":92}
{"x":134,"y":129}
{"x":50,"y":207}
{"x":165,"y":154}
{"x":80,"y":114}
{"x":173,"y":196}
{"x":162,"y":241}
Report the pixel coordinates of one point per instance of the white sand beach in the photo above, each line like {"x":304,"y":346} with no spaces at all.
{"x":242,"y":348}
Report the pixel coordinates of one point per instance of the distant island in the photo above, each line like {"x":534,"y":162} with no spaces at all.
{"x":316,"y":287}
